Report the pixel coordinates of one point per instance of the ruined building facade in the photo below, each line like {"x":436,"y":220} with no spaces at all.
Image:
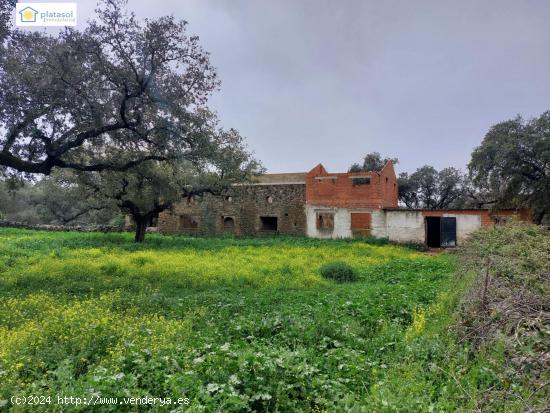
{"x":272,"y":204}
{"x":324,"y":205}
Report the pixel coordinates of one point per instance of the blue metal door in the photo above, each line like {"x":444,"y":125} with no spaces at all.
{"x":448,"y":231}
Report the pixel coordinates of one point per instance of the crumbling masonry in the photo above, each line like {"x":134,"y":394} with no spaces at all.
{"x":324,"y":205}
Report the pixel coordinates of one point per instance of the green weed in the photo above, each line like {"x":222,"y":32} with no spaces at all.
{"x":232,"y":324}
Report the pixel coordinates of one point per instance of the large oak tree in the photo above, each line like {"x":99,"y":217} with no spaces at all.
{"x":512,"y":165}
{"x":108,"y":97}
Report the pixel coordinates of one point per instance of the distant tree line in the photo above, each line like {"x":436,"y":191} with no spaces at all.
{"x":509,"y":169}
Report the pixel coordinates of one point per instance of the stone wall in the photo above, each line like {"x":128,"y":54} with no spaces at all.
{"x":45,"y":227}
{"x":245,"y":210}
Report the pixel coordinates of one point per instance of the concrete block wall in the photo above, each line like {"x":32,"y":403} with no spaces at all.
{"x":409,"y":225}
{"x":404,"y":226}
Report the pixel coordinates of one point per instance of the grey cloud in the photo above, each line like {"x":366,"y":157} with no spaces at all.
{"x":327,"y":81}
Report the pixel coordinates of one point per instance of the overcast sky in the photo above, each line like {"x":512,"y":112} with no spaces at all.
{"x":328,"y":81}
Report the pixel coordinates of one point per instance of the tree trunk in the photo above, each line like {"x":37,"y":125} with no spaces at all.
{"x":141,"y":226}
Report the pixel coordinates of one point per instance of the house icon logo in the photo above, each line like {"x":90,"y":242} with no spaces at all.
{"x":28,"y":15}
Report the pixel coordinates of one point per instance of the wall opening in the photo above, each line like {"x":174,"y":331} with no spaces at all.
{"x":499,"y":219}
{"x":360,"y":180}
{"x":188,"y":222}
{"x":268,"y":223}
{"x":325,"y":221}
{"x":441,"y":232}
{"x":228,"y":224}
{"x":433,"y":232}
{"x":360,"y":224}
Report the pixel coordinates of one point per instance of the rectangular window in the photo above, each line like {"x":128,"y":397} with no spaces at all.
{"x":268,"y":223}
{"x":360,"y":180}
{"x":325,"y":220}
{"x":188,"y":222}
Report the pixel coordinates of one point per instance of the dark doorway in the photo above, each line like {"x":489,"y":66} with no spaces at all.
{"x":441,"y":232}
{"x":228,"y":225}
{"x":433,"y":232}
{"x":268,"y":223}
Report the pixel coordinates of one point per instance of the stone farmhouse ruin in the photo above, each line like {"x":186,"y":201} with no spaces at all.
{"x":325,"y":205}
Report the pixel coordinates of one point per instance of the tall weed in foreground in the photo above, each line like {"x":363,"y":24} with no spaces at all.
{"x":508,"y":309}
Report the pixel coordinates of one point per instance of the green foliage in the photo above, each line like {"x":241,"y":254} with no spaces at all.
{"x":118,"y":221}
{"x":18,"y":200}
{"x":237,"y":324}
{"x":338,"y":271}
{"x":429,"y":188}
{"x":52,"y":200}
{"x":511,"y":165}
{"x":234,"y":324}
{"x":417,"y":246}
{"x":6,"y":10}
{"x":147,"y":116}
{"x":60,"y":201}
{"x":371,"y":162}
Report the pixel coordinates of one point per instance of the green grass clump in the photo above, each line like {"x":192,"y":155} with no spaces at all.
{"x":338,"y":271}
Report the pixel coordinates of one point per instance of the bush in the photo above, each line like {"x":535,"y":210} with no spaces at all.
{"x":377,"y":241}
{"x":118,"y":221}
{"x":338,"y":271}
{"x":507,"y":306}
{"x":415,"y":246}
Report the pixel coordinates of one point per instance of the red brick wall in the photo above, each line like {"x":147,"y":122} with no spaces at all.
{"x":338,"y":190}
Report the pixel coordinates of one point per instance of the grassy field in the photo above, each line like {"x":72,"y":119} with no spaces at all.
{"x":229,"y":324}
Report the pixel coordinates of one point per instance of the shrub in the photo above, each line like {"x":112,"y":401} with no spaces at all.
{"x":507,"y":306}
{"x":415,"y":246}
{"x":376,"y":241}
{"x":119,"y":221}
{"x":338,"y":271}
